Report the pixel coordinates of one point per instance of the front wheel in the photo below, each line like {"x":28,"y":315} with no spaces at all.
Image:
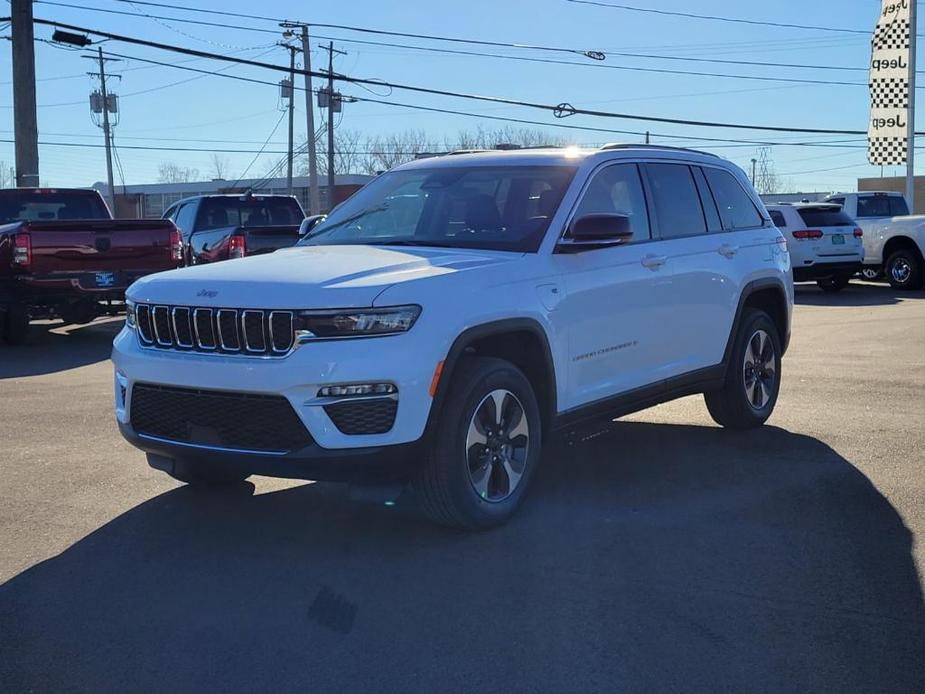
{"x":486,"y":446}
{"x":752,"y":384}
{"x":904,"y":269}
{"x":871,"y":273}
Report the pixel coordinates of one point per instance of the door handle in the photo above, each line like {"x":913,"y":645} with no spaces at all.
{"x":727,"y":250}
{"x":654,"y":262}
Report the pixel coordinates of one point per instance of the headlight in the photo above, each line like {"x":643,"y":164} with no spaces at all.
{"x":130,"y":321}
{"x":356,"y":323}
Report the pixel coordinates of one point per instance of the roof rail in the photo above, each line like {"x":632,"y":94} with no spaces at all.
{"x":667,"y":148}
{"x":467,"y":151}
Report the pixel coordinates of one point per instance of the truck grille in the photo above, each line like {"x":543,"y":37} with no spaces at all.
{"x":363,"y":416}
{"x":253,"y":332}
{"x":241,"y":421}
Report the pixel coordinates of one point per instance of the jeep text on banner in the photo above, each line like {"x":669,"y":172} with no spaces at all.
{"x":890,"y":73}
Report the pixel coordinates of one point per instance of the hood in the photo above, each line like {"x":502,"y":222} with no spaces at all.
{"x":307,"y":277}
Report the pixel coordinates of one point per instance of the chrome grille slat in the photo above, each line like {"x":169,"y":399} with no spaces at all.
{"x":221,"y":331}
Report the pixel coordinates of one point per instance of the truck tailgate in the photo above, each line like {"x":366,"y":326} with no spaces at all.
{"x":260,"y":240}
{"x":100,"y":245}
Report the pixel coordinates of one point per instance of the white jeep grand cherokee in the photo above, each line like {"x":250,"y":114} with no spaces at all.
{"x":443,"y":322}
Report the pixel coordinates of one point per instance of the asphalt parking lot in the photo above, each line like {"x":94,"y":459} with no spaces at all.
{"x":659,"y":553}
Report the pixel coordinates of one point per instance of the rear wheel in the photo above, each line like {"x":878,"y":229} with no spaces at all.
{"x":833,"y":284}
{"x":753,"y":375}
{"x":485,"y":449}
{"x":15,"y":324}
{"x":904,"y":269}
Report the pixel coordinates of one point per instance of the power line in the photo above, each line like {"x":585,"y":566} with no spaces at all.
{"x":715,"y":18}
{"x":559,"y":110}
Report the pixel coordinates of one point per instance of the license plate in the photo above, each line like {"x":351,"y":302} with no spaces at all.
{"x":105,"y":279}
{"x":838,"y":239}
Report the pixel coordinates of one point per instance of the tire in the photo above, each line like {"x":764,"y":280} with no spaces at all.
{"x":904,"y":269}
{"x":750,"y":391}
{"x":200,"y":474}
{"x":469,"y":479}
{"x":15,"y":324}
{"x":871,"y":273}
{"x":833,"y":284}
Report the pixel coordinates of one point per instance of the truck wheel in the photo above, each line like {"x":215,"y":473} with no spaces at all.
{"x":833,"y":284}
{"x":904,"y":269}
{"x":871,"y":273}
{"x":486,"y":447}
{"x":15,"y":324}
{"x":200,"y":475}
{"x":752,"y":377}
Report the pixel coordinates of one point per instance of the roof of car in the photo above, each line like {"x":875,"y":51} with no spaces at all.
{"x":803,"y":205}
{"x":556,"y":156}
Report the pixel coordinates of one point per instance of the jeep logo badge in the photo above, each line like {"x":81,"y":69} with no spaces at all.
{"x":207,"y":293}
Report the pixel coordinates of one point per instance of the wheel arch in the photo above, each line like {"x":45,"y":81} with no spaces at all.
{"x":898,"y":243}
{"x":521,"y":341}
{"x":769,"y":295}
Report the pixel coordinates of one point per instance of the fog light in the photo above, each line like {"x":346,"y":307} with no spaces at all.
{"x":357,"y":389}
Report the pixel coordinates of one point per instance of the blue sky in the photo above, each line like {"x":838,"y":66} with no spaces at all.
{"x":211,"y":111}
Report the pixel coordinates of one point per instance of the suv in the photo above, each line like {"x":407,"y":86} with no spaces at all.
{"x":443,"y":322}
{"x":826,"y":245}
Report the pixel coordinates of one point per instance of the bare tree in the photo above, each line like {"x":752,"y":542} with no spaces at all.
{"x":220,"y":166}
{"x":490,"y":138}
{"x":171,"y":172}
{"x":766,"y":180}
{"x":7,"y":176}
{"x":389,"y":151}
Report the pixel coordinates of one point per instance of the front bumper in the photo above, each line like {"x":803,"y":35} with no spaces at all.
{"x":821,"y":271}
{"x":371,"y":465}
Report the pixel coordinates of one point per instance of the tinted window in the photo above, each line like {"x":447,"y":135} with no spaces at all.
{"x":706,"y":199}
{"x":216,"y":213}
{"x":676,"y":201}
{"x":898,"y":206}
{"x":618,"y":189}
{"x":874,"y":206}
{"x":778,"y":219}
{"x":50,"y":206}
{"x":735,"y":205}
{"x":185,"y":217}
{"x":825,"y":217}
{"x":492,"y":207}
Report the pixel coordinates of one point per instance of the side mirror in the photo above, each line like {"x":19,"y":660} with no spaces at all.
{"x":597,"y":231}
{"x":310,"y":223}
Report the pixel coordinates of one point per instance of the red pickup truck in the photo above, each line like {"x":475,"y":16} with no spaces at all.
{"x":62,"y":255}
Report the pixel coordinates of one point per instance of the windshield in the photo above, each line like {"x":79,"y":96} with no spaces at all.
{"x":50,"y":206}
{"x":500,"y":208}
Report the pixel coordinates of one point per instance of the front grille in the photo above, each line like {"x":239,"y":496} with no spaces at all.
{"x":264,"y":423}
{"x":363,"y":416}
{"x":253,"y":332}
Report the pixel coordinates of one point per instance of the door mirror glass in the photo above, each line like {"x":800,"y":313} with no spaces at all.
{"x":601,"y":227}
{"x":310,"y":223}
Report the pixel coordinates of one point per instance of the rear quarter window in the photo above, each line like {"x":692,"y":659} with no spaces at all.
{"x":736,"y":208}
{"x":778,"y":218}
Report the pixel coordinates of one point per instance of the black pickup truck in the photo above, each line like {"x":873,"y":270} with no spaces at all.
{"x":62,"y":255}
{"x":221,"y":227}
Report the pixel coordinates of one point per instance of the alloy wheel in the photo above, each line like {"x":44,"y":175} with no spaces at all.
{"x":759,"y":369}
{"x":497,"y":442}
{"x":901,"y":270}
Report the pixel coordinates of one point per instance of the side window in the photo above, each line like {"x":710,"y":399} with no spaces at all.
{"x":778,"y":219}
{"x":873,"y":206}
{"x":618,"y":189}
{"x":171,"y":214}
{"x":898,"y":206}
{"x":184,"y":218}
{"x":706,"y":199}
{"x":736,"y":207}
{"x":676,"y":201}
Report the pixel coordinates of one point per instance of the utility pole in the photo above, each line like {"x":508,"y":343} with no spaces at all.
{"x":754,"y":164}
{"x":25,"y":124}
{"x":910,"y":133}
{"x":314,"y":194}
{"x":291,"y":96}
{"x":107,"y":105}
{"x":330,"y":126}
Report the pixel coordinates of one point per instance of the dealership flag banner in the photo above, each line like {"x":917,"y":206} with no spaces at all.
{"x":891,"y":84}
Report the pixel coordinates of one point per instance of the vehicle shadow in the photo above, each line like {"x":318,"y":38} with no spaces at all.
{"x":648,"y":558}
{"x":855,"y":294}
{"x":54,"y":346}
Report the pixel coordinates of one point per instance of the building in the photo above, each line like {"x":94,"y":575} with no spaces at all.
{"x":151,"y":200}
{"x":897,"y":184}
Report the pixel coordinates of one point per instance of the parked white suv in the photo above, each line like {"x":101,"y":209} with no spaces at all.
{"x":825,"y":244}
{"x":440,"y":324}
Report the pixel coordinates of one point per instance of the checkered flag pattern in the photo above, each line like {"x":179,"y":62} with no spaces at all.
{"x":887,"y":151}
{"x":894,"y":34}
{"x":889,"y":92}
